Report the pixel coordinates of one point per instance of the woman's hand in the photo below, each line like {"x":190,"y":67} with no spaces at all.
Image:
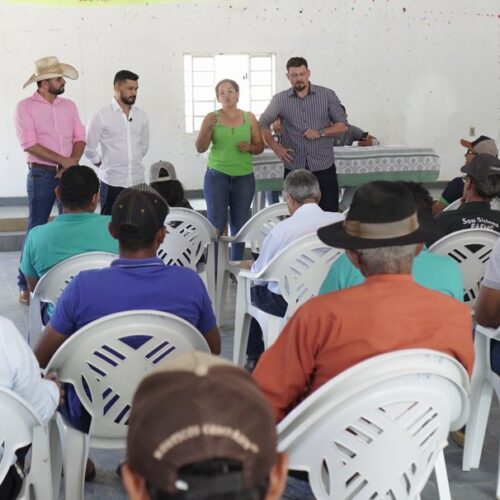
{"x":245,"y":147}
{"x":211,"y":120}
{"x":205,"y":134}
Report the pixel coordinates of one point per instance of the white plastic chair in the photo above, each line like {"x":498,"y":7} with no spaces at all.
{"x":494,"y":204}
{"x":19,"y":427}
{"x":252,"y":234}
{"x":484,"y":381}
{"x":190,"y":236}
{"x":105,"y":372}
{"x":453,"y":205}
{"x":471,"y":248}
{"x":299,"y":271}
{"x":53,"y":282}
{"x":378,"y":429}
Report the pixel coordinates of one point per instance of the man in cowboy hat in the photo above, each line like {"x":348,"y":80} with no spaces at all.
{"x":51,"y":133}
{"x":389,"y":311}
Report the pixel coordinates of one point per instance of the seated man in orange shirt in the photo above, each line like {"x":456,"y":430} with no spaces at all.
{"x":388,"y":312}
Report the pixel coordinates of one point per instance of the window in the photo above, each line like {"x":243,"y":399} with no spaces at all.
{"x":255,"y":74}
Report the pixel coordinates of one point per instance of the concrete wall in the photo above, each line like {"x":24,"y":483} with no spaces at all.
{"x":414,"y":73}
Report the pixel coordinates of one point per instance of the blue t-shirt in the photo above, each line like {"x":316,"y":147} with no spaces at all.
{"x":132,"y":284}
{"x":129,"y":284}
{"x":433,"y":271}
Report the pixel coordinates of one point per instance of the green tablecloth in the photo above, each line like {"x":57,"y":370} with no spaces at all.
{"x":358,"y":165}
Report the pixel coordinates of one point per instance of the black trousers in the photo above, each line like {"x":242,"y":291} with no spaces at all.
{"x":108,"y":195}
{"x":329,"y":187}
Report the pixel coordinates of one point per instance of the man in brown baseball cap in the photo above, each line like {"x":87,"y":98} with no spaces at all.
{"x":201,"y":429}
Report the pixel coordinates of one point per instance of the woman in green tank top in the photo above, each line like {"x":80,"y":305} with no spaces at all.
{"x":234,"y":136}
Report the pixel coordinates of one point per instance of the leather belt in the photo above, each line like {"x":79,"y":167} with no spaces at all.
{"x":52,"y":168}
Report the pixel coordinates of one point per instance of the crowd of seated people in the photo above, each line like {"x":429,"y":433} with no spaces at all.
{"x":387,"y":292}
{"x":371,"y":302}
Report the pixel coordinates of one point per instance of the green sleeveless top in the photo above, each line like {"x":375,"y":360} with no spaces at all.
{"x":224,"y":154}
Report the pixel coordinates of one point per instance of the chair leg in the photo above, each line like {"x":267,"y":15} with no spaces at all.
{"x":442,"y":478}
{"x":55,"y":456}
{"x":241,"y":324}
{"x":39,"y":478}
{"x":480,"y":403}
{"x":77,"y":451}
{"x":222,"y":279}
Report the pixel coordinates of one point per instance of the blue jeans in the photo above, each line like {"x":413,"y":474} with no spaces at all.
{"x":40,"y":186}
{"x":234,"y":192}
{"x":297,"y":489}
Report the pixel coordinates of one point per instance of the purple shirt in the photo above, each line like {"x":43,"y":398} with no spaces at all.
{"x":55,"y":125}
{"x":133,"y":284}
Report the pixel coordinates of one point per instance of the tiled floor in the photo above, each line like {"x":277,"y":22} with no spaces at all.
{"x":479,"y":484}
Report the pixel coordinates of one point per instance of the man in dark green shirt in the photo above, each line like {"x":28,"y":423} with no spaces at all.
{"x":481,"y":184}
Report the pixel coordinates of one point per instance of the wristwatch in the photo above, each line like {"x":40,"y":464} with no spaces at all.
{"x":322,"y":132}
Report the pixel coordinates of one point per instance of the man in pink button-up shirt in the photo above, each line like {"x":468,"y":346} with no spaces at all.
{"x":53,"y":137}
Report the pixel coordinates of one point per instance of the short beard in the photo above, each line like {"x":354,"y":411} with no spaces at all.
{"x":300,"y":86}
{"x":54,"y":91}
{"x":128,"y":100}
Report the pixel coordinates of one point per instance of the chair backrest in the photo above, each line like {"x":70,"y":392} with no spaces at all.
{"x":17,"y":421}
{"x":300,"y":269}
{"x":258,"y":227}
{"x":376,"y":430}
{"x":453,"y":205}
{"x":51,"y":285}
{"x":106,"y":359}
{"x":471,"y":248}
{"x":189,"y":234}
{"x":494,"y":204}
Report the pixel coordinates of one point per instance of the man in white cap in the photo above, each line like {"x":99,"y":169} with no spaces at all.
{"x":51,"y":133}
{"x":121,"y":131}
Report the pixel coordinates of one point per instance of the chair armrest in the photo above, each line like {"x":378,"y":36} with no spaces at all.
{"x":491,"y":333}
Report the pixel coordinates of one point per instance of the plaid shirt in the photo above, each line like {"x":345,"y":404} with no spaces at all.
{"x":317,"y":110}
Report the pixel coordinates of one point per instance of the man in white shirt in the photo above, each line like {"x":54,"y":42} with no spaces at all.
{"x":122,"y":131}
{"x":20,"y":373}
{"x":302,"y":194}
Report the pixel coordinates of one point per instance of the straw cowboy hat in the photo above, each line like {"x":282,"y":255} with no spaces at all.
{"x":50,"y":67}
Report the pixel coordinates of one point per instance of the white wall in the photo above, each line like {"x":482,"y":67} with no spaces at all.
{"x":415,"y":73}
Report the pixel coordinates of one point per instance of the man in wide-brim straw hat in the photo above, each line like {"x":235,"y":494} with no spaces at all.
{"x":388,"y":312}
{"x":51,"y":133}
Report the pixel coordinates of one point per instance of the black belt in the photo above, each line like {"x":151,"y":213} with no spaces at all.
{"x":52,"y":168}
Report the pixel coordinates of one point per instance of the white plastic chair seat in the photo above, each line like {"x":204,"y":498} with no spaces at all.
{"x":252,"y":234}
{"x":190,"y":237}
{"x":51,"y":284}
{"x":471,"y":249}
{"x":378,"y":429}
{"x":105,"y":369}
{"x":299,"y":271}
{"x":484,"y":382}
{"x":19,"y":427}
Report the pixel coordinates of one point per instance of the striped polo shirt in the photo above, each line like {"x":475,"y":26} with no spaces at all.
{"x":317,"y":110}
